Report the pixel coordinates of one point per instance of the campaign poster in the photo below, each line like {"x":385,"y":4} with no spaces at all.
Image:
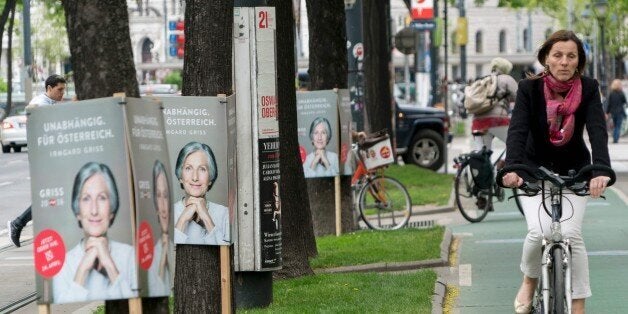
{"x":82,"y":212}
{"x":317,"y":119}
{"x":346,"y":128}
{"x":152,"y":182}
{"x":198,"y":139}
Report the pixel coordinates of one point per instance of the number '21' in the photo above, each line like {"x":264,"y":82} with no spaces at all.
{"x":263,"y":19}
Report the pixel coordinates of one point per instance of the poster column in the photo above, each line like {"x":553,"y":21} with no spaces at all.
{"x":259,"y":206}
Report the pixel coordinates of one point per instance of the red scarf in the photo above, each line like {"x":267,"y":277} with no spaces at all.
{"x":560,"y":113}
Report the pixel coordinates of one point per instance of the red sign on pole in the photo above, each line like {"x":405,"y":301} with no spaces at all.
{"x":422,"y":9}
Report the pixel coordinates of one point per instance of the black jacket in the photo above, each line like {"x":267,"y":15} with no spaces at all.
{"x":616,"y":102}
{"x":528,"y":135}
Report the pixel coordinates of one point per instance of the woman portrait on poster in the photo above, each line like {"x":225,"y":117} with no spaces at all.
{"x":321,"y":162}
{"x":97,"y":268}
{"x":159,"y":271}
{"x":197,"y":220}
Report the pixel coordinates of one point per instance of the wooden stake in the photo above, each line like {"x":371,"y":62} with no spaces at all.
{"x":338,"y":206}
{"x":135,"y":306}
{"x":225,"y":278}
{"x":44,"y":308}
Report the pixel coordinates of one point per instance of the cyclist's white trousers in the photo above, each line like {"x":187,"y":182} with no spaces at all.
{"x":500,"y":132}
{"x":571,"y":225}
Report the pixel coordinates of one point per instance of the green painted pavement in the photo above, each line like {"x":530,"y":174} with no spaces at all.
{"x":492,"y":248}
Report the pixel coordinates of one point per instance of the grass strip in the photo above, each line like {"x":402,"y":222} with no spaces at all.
{"x":370,"y":246}
{"x":354,"y":293}
{"x":425,"y":186}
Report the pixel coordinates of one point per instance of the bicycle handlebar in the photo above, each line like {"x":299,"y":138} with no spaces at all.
{"x":576,"y":182}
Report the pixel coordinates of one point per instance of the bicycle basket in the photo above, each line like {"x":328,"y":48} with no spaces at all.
{"x":377,"y":152}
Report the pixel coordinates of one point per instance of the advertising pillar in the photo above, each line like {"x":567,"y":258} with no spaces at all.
{"x":259,"y":207}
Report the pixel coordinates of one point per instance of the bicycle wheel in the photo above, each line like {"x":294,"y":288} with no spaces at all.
{"x":518,"y":202}
{"x":473,"y":205}
{"x":557,"y":284}
{"x":384,"y":204}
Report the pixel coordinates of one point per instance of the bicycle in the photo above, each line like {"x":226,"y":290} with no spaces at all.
{"x":382,"y":202}
{"x":553,"y":291}
{"x":473,"y":200}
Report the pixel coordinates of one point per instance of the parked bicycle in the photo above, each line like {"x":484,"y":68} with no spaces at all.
{"x":553,"y":292}
{"x":383,"y":202}
{"x":475,"y":185}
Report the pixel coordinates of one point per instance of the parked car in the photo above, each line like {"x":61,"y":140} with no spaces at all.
{"x":421,"y":134}
{"x":13,"y":132}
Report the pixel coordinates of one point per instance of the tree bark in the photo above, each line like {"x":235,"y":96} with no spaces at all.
{"x":100,"y":48}
{"x":206,"y":72}
{"x":328,"y":70}
{"x":298,"y":243}
{"x":378,"y":96}
{"x":102,"y":60}
{"x":9,"y":7}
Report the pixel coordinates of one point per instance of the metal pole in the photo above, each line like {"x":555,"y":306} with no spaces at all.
{"x":463,"y":48}
{"x":27,"y":69}
{"x":602,"y":62}
{"x":165,"y":42}
{"x":446,"y":79}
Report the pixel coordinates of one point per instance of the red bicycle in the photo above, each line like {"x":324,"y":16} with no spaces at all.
{"x":383,"y":202}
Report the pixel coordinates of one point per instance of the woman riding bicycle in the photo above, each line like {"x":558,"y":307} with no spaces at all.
{"x":546,"y":129}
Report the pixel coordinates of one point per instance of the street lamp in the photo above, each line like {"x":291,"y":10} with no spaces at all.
{"x":600,"y":12}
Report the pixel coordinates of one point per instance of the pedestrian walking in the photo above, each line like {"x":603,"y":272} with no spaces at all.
{"x":55,"y":88}
{"x":616,"y":108}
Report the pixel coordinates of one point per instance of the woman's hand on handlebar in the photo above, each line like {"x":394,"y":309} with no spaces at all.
{"x":512,"y":180}
{"x":597,"y":185}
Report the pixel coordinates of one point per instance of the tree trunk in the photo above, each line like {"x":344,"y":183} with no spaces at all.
{"x":328,"y":70}
{"x":298,"y":243}
{"x":9,"y":7}
{"x":102,"y":60}
{"x":206,"y":72}
{"x":9,"y":66}
{"x":100,"y":48}
{"x":378,"y":96}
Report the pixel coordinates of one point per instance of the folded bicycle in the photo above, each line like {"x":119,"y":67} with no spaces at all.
{"x":553,"y":292}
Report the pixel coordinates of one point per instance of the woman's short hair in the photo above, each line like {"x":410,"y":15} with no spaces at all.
{"x":192,"y":147}
{"x":558,"y":36}
{"x":325,"y":123}
{"x":159,"y":169}
{"x":616,"y":85}
{"x":87,"y":171}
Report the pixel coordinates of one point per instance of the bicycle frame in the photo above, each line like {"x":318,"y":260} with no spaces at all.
{"x":549,"y":246}
{"x":362,"y":174}
{"x":576,"y":183}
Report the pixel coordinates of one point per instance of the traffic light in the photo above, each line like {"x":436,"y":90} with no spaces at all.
{"x":176,"y":38}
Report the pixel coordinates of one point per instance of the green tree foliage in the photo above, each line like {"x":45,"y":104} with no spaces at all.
{"x":174,"y":77}
{"x":49,"y":35}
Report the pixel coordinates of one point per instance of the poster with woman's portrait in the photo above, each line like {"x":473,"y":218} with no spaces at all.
{"x":83,"y":244}
{"x":152,"y":179}
{"x":347,"y":161}
{"x":318,"y":132}
{"x":198,"y":141}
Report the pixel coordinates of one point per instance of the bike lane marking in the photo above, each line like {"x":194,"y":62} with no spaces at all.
{"x":464,"y":275}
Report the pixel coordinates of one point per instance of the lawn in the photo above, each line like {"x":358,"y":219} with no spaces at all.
{"x":425,"y":186}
